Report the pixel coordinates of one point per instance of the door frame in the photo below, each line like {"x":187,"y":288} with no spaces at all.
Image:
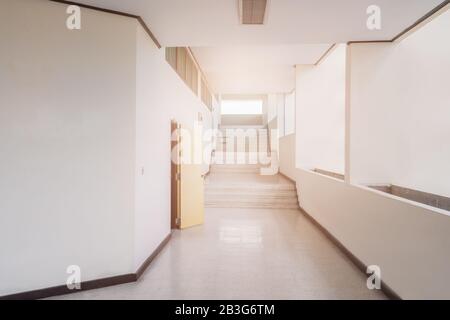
{"x":174,"y":177}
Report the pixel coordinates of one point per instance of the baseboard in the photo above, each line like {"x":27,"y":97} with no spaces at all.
{"x":391,"y":294}
{"x":150,"y":259}
{"x":92,"y":284}
{"x":61,"y":290}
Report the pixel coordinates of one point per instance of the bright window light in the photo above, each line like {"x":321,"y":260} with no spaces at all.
{"x":241,"y":107}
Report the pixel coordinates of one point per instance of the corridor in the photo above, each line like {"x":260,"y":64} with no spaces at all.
{"x":246,"y":253}
{"x":226,"y":149}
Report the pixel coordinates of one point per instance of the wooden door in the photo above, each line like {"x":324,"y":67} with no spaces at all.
{"x":191,"y":186}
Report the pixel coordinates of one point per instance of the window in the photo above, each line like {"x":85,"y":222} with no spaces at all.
{"x":171,"y":57}
{"x":206,"y":95}
{"x":242,"y":107}
{"x":194,"y":79}
{"x":183,"y":63}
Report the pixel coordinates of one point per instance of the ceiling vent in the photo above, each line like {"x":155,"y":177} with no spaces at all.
{"x":252,"y":11}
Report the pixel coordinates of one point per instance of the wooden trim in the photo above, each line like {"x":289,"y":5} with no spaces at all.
{"x":415,"y":24}
{"x":369,"y":41}
{"x":332,"y":174}
{"x":120,"y":13}
{"x":422,"y":19}
{"x":384,"y":287}
{"x":149,"y":32}
{"x":89,"y":285}
{"x":174,"y":171}
{"x":61,"y":290}
{"x":325,"y":54}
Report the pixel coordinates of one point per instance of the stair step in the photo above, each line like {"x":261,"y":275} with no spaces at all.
{"x":236,"y":168}
{"x":241,"y":188}
{"x":253,"y":193}
{"x":267,"y":205}
{"x":256,"y":199}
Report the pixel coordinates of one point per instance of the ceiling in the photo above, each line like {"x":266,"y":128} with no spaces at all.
{"x":255,"y":69}
{"x":259,"y":58}
{"x":216,"y":22}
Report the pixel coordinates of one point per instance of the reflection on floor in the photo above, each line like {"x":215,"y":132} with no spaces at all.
{"x":246,"y":253}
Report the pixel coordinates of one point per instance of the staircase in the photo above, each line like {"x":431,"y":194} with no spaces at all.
{"x":242,"y":186}
{"x":235,"y":168}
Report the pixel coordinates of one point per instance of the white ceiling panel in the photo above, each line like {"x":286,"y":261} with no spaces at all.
{"x":240,"y":58}
{"x":255,"y":69}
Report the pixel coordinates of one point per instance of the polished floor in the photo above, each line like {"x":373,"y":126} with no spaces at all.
{"x":246,"y":253}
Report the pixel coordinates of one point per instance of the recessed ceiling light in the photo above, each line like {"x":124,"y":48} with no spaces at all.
{"x":252,"y":11}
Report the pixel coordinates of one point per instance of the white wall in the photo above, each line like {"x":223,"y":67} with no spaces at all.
{"x":320,"y":113}
{"x":241,"y":120}
{"x":161,"y":96}
{"x":275,"y":116}
{"x":289,"y":113}
{"x":287,"y":156}
{"x":280,"y":116}
{"x":407,"y":240}
{"x":216,"y":113}
{"x":399,"y":133}
{"x":81,"y":113}
{"x":67,"y":148}
{"x":400,"y":112}
{"x":272,"y":103}
{"x":273,"y":136}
